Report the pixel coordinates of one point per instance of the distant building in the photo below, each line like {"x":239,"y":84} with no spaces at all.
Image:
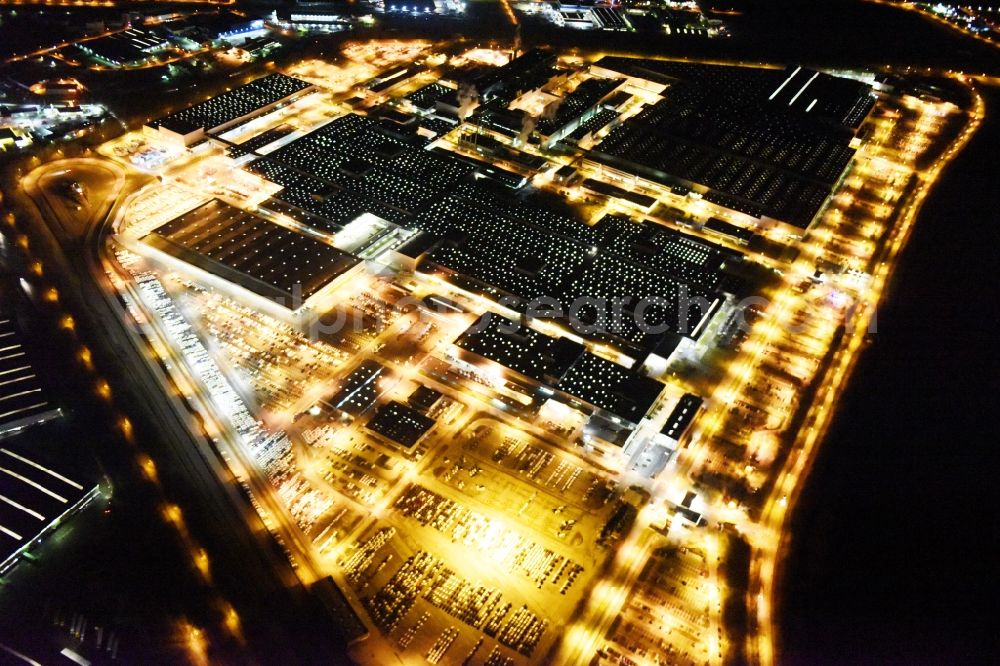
{"x":133,"y":46}
{"x":586,"y":15}
{"x":223,"y":26}
{"x":8,"y":139}
{"x":223,"y":111}
{"x":325,"y":15}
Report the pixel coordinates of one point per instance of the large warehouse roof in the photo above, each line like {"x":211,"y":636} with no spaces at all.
{"x":496,"y":243}
{"x":764,"y":142}
{"x":233,"y":104}
{"x":563,"y":365}
{"x":259,"y":255}
{"x":528,"y":352}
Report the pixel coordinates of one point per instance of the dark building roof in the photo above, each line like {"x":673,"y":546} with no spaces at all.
{"x":532,"y":68}
{"x":609,"y":190}
{"x":597,"y":121}
{"x":575,"y":104}
{"x":427,"y":96}
{"x":401,"y":180}
{"x":236,"y":103}
{"x":424,"y":398}
{"x":503,"y":121}
{"x":23,"y":400}
{"x":611,"y":387}
{"x":401,"y":424}
{"x":821,"y":96}
{"x":682,"y":416}
{"x":255,"y":143}
{"x":723,"y":129}
{"x":418,"y":245}
{"x":563,"y":365}
{"x":488,"y":240}
{"x":507,"y":248}
{"x":528,"y":352}
{"x":259,"y":255}
{"x":127,"y":46}
{"x":35,"y":490}
{"x":209,"y":26}
{"x":359,"y":390}
{"x":729,"y":229}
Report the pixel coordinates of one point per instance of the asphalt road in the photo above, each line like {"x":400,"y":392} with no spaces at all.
{"x":280,"y":618}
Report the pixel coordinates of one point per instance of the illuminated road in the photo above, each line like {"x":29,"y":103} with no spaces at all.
{"x":244,"y":558}
{"x":774,"y":521}
{"x":61,"y":45}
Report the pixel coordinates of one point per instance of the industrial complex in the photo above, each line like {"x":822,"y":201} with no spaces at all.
{"x":509,"y":347}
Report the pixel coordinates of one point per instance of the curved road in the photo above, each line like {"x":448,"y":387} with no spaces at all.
{"x":247,"y":564}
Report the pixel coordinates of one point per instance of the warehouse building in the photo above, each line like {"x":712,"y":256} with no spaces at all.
{"x":224,"y":111}
{"x":767,"y":143}
{"x":250,"y":255}
{"x":562,"y":369}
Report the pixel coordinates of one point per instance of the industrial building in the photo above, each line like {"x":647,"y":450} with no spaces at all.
{"x":209,"y":28}
{"x":767,"y":143}
{"x":23,"y":400}
{"x":274,"y":262}
{"x":400,"y":424}
{"x":130,"y":47}
{"x":224,"y":111}
{"x":563,"y":369}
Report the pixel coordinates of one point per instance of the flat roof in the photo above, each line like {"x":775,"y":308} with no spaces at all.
{"x":729,"y":229}
{"x":506,"y":247}
{"x":34,"y":491}
{"x":528,"y":352}
{"x":840,"y":100}
{"x":575,"y":104}
{"x":401,"y":424}
{"x":322,"y":172}
{"x":424,"y":398}
{"x":562,"y":364}
{"x":681,"y":417}
{"x":22,"y":398}
{"x":760,"y":141}
{"x":615,"y":389}
{"x":252,"y":252}
{"x":359,"y":390}
{"x":418,"y":245}
{"x":607,"y":189}
{"x":493,"y":81}
{"x":487,"y":239}
{"x":130,"y":45}
{"x":427,"y":96}
{"x":211,"y":24}
{"x":232,"y":104}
